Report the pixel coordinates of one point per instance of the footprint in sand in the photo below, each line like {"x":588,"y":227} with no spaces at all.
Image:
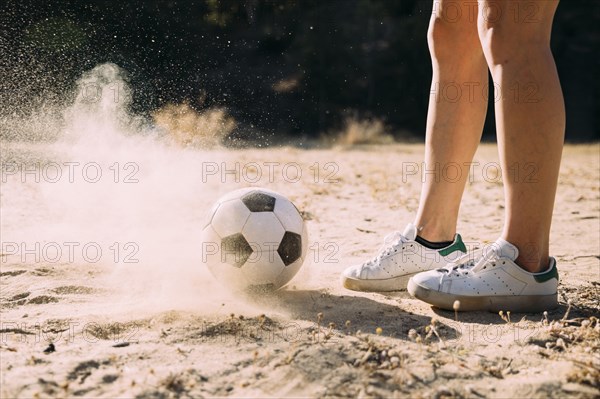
{"x":20,"y":296}
{"x":42,"y":299}
{"x":42,"y":271}
{"x":16,"y":300}
{"x":12,"y":273}
{"x":74,"y":290}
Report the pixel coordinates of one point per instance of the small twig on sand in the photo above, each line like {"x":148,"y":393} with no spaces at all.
{"x":434,"y":330}
{"x":569,"y":303}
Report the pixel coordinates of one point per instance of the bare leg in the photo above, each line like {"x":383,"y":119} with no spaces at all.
{"x":455,"y":117}
{"x":530,"y":118}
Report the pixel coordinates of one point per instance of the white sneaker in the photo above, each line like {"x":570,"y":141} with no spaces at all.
{"x":400,"y":258}
{"x":488,"y":281}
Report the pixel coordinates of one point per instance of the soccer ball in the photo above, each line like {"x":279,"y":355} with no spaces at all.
{"x":254,"y":239}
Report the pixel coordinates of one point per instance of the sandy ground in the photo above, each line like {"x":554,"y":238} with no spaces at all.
{"x":162,"y":327}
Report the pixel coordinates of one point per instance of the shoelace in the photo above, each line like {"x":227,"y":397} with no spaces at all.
{"x":471,"y":262}
{"x":489,"y":256}
{"x":390,"y":242}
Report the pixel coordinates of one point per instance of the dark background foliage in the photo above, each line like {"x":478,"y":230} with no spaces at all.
{"x":295,"y":67}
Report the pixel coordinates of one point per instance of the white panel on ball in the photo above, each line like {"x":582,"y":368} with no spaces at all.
{"x":230,"y":217}
{"x":288,"y":215}
{"x":209,"y":215}
{"x":263,"y":268}
{"x":264,"y":230}
{"x":289,"y":272}
{"x":211,"y":246}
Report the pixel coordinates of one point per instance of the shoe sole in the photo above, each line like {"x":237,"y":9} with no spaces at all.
{"x":520,"y":303}
{"x":382,"y":285}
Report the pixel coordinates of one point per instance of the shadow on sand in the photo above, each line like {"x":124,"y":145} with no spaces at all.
{"x":363,"y":313}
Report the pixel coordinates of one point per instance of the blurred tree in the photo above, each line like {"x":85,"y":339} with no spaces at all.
{"x":279,"y":66}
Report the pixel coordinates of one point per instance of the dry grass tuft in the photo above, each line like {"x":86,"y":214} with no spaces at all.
{"x":363,"y":131}
{"x":585,"y":374}
{"x":174,"y":383}
{"x":116,"y":331}
{"x":577,"y":340}
{"x":191,"y":128}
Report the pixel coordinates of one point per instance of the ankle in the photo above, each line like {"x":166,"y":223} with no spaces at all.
{"x":434,"y":233}
{"x":533,"y":254}
{"x":432,"y":244}
{"x":533,"y":265}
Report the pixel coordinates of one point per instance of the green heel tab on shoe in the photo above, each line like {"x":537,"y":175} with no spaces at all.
{"x":547,"y":275}
{"x":457,"y":245}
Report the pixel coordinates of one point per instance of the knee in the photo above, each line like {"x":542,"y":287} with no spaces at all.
{"x":503,"y":43}
{"x":449,"y":40}
{"x":514,"y":32}
{"x":498,"y":43}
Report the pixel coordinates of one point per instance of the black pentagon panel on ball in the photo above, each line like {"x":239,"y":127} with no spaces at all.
{"x":235,"y":250}
{"x":290,"y":248}
{"x":259,"y":202}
